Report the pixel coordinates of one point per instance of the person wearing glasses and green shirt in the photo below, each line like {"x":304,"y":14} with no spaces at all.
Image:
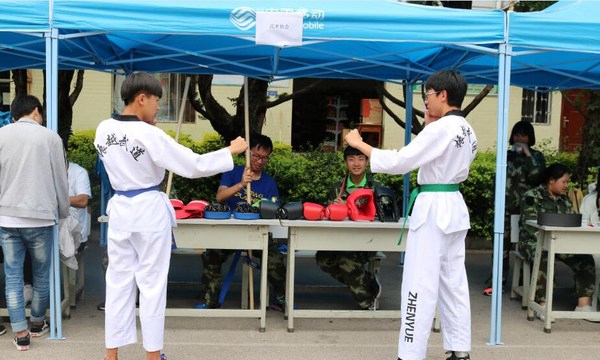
{"x":232,"y":190}
{"x":434,"y":266}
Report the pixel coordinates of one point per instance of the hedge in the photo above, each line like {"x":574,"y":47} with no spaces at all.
{"x":306,"y":176}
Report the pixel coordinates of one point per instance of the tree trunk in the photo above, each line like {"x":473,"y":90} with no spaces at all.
{"x":66,"y":98}
{"x":589,"y":155}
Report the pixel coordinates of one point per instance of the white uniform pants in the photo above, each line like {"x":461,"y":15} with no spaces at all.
{"x":136,"y":260}
{"x":434,"y":273}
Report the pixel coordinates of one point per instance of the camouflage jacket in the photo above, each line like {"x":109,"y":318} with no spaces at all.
{"x":336,"y":187}
{"x":522,"y":173}
{"x":535,"y":201}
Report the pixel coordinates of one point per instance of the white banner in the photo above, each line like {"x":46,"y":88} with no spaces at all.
{"x":279,"y":29}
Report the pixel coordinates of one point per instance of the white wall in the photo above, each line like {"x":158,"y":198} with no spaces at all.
{"x":483,"y":119}
{"x":94,"y":105}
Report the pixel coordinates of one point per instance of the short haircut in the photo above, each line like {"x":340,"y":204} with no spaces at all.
{"x":523,"y":127}
{"x":24,"y":105}
{"x":139,"y":83}
{"x":350,"y":151}
{"x":450,"y":80}
{"x":261,"y":141}
{"x":555,"y":171}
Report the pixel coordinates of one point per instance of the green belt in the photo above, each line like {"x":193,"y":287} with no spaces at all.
{"x":426,"y":188}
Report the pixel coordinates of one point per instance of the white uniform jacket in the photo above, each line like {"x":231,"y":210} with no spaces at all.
{"x":136,"y":155}
{"x":443,"y":152}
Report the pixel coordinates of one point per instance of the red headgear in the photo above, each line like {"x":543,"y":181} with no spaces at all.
{"x":361,"y":205}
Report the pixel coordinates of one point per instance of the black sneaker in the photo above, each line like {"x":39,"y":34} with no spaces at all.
{"x":39,"y":329}
{"x":2,"y":329}
{"x":454,"y":357}
{"x":100,"y":307}
{"x":22,"y":343}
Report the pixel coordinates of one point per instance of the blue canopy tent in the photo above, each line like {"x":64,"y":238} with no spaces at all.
{"x":25,"y":43}
{"x":381,"y":40}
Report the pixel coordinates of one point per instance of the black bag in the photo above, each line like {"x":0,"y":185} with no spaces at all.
{"x":386,"y":205}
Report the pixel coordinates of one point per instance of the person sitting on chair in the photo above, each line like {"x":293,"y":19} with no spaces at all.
{"x":348,"y":266}
{"x":550,"y":197}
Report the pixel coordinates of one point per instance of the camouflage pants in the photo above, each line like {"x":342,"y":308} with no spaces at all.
{"x":348,"y":268}
{"x":212,"y":277}
{"x":583,"y":267}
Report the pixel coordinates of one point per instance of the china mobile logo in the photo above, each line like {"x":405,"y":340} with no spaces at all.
{"x":243,"y":18}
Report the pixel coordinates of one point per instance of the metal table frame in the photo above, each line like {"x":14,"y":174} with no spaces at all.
{"x":338,"y":236}
{"x":559,"y":240}
{"x":226,"y":234}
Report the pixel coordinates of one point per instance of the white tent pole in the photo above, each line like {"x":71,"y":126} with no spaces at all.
{"x":499,"y":201}
{"x":248,"y":187}
{"x":408,"y":109}
{"x":178,"y":131}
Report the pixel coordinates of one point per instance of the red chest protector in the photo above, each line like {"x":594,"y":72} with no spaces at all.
{"x":361,"y":205}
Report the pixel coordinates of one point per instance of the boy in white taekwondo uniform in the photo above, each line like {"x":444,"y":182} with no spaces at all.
{"x":434,"y":270}
{"x":136,"y":154}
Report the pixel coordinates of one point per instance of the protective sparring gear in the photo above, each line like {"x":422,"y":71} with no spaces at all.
{"x":313,"y":211}
{"x":336,"y":212}
{"x":195,"y":208}
{"x":361,"y":205}
{"x":268,"y":209}
{"x":291,"y":211}
{"x":386,"y":205}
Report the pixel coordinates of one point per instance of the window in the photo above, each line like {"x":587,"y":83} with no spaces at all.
{"x":5,"y":91}
{"x":170,"y":103}
{"x":535,"y":106}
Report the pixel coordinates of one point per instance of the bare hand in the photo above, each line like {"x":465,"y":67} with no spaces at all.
{"x":246,"y":176}
{"x":338,"y":200}
{"x":430,"y":118}
{"x":238,"y":145}
{"x":353,"y":138}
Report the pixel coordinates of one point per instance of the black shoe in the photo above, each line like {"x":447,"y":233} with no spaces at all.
{"x":2,"y":329}
{"x":39,"y":329}
{"x":454,"y":357}
{"x":100,"y":306}
{"x":22,"y":343}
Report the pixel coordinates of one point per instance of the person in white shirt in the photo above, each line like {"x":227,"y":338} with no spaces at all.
{"x":136,"y":154}
{"x":434,"y":267}
{"x":79,"y":196}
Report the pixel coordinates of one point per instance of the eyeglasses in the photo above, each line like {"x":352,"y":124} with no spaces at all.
{"x":258,"y":158}
{"x":427,"y":95}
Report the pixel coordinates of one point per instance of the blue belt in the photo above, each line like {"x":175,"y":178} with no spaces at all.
{"x":132,"y":193}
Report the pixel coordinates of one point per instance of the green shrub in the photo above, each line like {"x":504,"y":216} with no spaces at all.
{"x":307,"y":176}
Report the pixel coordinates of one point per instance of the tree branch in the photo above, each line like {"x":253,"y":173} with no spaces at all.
{"x":286,"y":97}
{"x":486,"y":90}
{"x":78,"y":87}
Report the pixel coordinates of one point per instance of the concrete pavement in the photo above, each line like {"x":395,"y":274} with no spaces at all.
{"x":332,"y":339}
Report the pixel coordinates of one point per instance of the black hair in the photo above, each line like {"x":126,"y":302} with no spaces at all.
{"x":24,"y":105}
{"x":523,"y":127}
{"x":261,"y":141}
{"x":555,"y":171}
{"x":450,"y":80}
{"x":139,"y":83}
{"x":349,"y":151}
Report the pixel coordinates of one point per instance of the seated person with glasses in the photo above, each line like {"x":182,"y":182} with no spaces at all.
{"x":232,"y":190}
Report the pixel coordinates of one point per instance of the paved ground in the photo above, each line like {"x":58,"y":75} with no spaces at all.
{"x":215,"y":338}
